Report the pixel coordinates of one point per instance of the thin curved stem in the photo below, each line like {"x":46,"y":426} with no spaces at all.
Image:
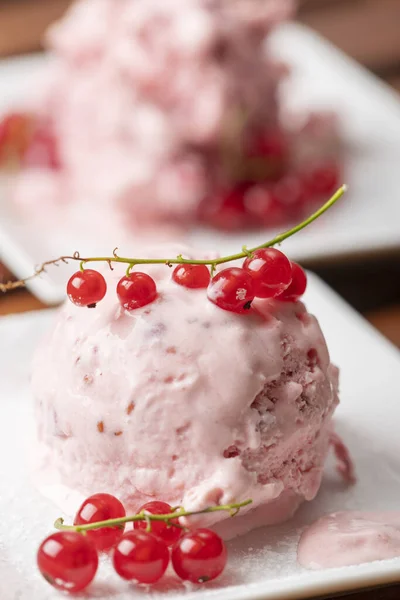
{"x":178,"y":260}
{"x":142,"y":516}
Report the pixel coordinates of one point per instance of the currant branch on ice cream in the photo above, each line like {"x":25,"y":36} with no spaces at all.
{"x":141,"y":554}
{"x":265,"y":273}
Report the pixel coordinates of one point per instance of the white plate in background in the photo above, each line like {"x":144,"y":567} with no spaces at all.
{"x":367,"y":220}
{"x":262,"y":565}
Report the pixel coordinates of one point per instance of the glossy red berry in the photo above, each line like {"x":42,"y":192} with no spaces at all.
{"x":271,"y":272}
{"x":141,"y":556}
{"x":86,"y":288}
{"x":192,"y":276}
{"x":67,"y":560}
{"x":297,"y":287}
{"x":101,"y":507}
{"x":136,"y":290}
{"x":169,"y":534}
{"x":199,"y":556}
{"x":232,"y":289}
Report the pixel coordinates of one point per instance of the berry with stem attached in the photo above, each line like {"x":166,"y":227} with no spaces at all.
{"x":271,"y":272}
{"x":101,"y":507}
{"x":86,"y":288}
{"x":168,"y":533}
{"x":297,"y":287}
{"x":67,"y":560}
{"x":199,"y":556}
{"x":178,"y":260}
{"x":136,"y":290}
{"x":192,"y":276}
{"x":232,"y":289}
{"x":141,"y":556}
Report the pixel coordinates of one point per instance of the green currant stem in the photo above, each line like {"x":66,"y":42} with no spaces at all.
{"x":179,"y":260}
{"x":142,"y":516}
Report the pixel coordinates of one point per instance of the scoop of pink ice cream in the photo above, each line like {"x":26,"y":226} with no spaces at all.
{"x":184,"y":402}
{"x":141,"y":96}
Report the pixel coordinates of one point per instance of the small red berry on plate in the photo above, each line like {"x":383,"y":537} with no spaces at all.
{"x":86,"y":288}
{"x":291,"y":193}
{"x":298,"y":286}
{"x":271,"y":272}
{"x":136,"y":290}
{"x":168,"y":533}
{"x":141,"y":556}
{"x":270,"y":144}
{"x":323,"y":179}
{"x":101,"y":507}
{"x":262,"y":207}
{"x":225,"y":209}
{"x":232,"y":289}
{"x":192,"y":276}
{"x":67,"y":560}
{"x":199,"y":556}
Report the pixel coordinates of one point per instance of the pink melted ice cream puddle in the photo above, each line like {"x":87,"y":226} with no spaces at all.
{"x":184,"y":402}
{"x":350,"y":538}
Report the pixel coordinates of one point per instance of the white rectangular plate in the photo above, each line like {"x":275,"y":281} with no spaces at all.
{"x":262,"y":564}
{"x":367,"y":220}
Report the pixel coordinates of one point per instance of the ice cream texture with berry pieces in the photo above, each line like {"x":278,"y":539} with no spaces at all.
{"x":184,"y":402}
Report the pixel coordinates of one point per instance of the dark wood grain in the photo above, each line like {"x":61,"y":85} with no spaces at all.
{"x":368,"y":30}
{"x":22,"y":23}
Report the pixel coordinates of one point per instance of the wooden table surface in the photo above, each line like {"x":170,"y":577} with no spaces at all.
{"x":368,"y":30}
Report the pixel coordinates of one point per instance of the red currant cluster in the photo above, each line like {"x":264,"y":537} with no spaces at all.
{"x":269,"y":191}
{"x":27,"y":142}
{"x":69,"y":560}
{"x":266,"y":273}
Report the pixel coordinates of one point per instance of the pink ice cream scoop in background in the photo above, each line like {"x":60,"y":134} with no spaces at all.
{"x":184,"y":402}
{"x":170,"y":111}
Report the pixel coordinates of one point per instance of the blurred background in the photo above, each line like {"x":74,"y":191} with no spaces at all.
{"x":368,"y":31}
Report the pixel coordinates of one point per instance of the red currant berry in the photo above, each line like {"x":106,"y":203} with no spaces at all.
{"x":324,"y":179}
{"x":67,"y":560}
{"x":192,"y":276}
{"x":199,"y":556}
{"x":86,"y":288}
{"x":225,"y":209}
{"x":101,"y":507}
{"x":136,"y":290}
{"x":271,"y":144}
{"x":263,"y":207}
{"x":291,"y":193}
{"x":168,"y":533}
{"x":141,"y":556}
{"x":271,"y":272}
{"x":232,"y":289}
{"x":298,"y":286}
